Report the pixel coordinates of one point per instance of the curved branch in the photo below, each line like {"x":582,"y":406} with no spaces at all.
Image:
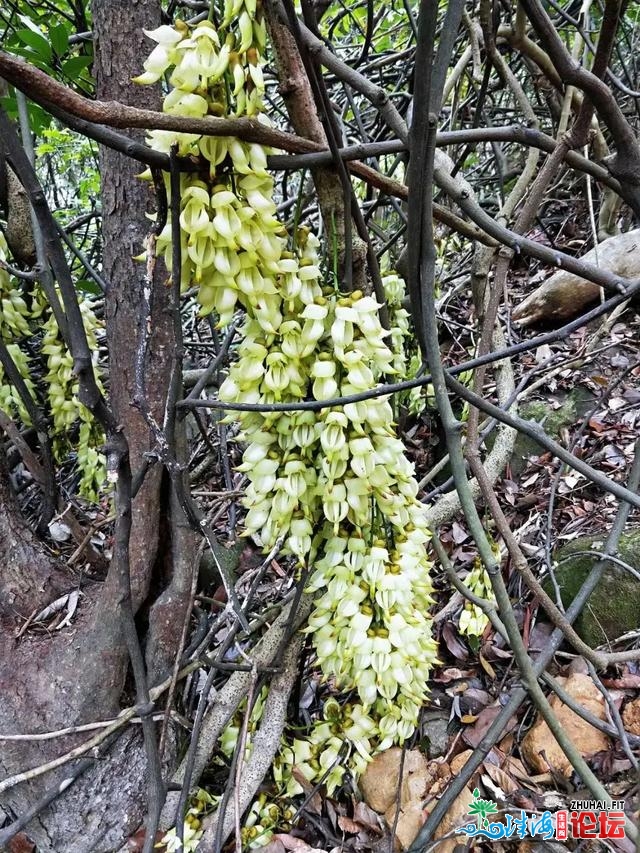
{"x":45,"y":90}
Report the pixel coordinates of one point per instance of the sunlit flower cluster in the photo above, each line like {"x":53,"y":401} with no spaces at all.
{"x":344,"y":738}
{"x":208,"y":75}
{"x":201,"y":804}
{"x":400,"y":337}
{"x":10,"y":400}
{"x":264,"y":816}
{"x":14,"y":325}
{"x":406,"y":355}
{"x":371,"y":626}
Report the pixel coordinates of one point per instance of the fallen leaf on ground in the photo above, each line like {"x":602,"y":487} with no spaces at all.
{"x":459,"y":761}
{"x":290,"y":842}
{"x":274,"y":846}
{"x":473,"y":734}
{"x":631,"y":717}
{"x":367,"y":818}
{"x":501,"y":778}
{"x":347,"y":824}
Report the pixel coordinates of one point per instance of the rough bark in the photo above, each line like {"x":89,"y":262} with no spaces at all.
{"x":50,"y":681}
{"x":121,"y":47}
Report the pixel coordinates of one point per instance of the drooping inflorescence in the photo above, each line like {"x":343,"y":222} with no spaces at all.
{"x":334,"y":485}
{"x":73,"y":426}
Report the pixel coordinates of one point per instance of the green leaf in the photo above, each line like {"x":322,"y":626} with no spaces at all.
{"x":37,"y":42}
{"x":26,"y":20}
{"x":87,"y":286}
{"x":76,"y":65}
{"x":39,"y":119}
{"x":59,"y":39}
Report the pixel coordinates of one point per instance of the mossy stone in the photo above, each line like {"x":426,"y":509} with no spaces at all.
{"x":613,"y":608}
{"x":553,"y":421}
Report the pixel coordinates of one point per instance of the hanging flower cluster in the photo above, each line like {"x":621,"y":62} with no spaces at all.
{"x":10,"y":401}
{"x":334,"y":484}
{"x":14,"y":325}
{"x":14,"y":313}
{"x":69,"y":415}
{"x":265,"y":815}
{"x":407,"y":360}
{"x":345,"y":737}
{"x":200,"y":805}
{"x":473,"y":620}
{"x":59,"y":381}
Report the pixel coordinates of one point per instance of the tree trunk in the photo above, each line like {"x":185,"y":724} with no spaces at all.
{"x":51,"y":681}
{"x":48,"y":682}
{"x":120,"y":49}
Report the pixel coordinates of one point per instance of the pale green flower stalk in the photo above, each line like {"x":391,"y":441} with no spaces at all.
{"x":14,"y":313}
{"x":10,"y":401}
{"x":14,"y":325}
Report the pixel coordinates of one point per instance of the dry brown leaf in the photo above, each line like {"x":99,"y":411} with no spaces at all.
{"x":459,"y":761}
{"x":451,"y":640}
{"x":346,"y":824}
{"x":332,"y":814}
{"x":506,"y":745}
{"x":585,"y":737}
{"x":517,"y":768}
{"x":314,"y":803}
{"x":467,"y":719}
{"x":487,"y":667}
{"x":290,"y":842}
{"x":452,"y":673}
{"x":501,"y":778}
{"x":630,"y":680}
{"x":473,"y":734}
{"x":631,"y":717}
{"x":274,"y":846}
{"x":367,"y":818}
